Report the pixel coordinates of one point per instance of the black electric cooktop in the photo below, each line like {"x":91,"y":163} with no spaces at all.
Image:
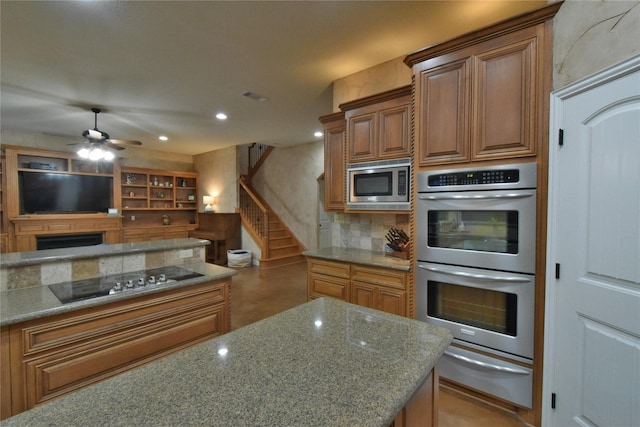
{"x":109,"y":285}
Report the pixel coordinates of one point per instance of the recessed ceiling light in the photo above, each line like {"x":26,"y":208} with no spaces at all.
{"x":163,"y":138}
{"x":221,"y":116}
{"x":318,"y":134}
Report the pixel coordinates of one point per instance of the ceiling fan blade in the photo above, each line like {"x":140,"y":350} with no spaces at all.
{"x":110,"y":146}
{"x":124,"y":141}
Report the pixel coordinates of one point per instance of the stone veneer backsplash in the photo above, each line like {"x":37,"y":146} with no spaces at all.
{"x":80,"y":269}
{"x":365,"y":231}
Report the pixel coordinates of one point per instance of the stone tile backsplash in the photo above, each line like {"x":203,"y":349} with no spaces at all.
{"x":364,"y":231}
{"x":65,"y":271}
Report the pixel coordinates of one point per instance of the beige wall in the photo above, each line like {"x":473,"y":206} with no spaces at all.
{"x":592,"y":35}
{"x":288,"y":182}
{"x":218,"y":173}
{"x":381,"y":78}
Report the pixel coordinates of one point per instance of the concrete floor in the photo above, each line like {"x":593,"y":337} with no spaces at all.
{"x":257,"y":294}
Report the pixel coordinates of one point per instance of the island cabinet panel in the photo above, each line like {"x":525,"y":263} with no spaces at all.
{"x":380,"y":288}
{"x":422,"y":408}
{"x":59,"y":354}
{"x":334,"y":161}
{"x":5,"y":374}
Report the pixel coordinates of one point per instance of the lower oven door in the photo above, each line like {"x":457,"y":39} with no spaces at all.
{"x":508,"y":381}
{"x":491,"y":309}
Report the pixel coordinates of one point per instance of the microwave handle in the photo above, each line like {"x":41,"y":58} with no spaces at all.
{"x":477,"y":276}
{"x":477,"y":197}
{"x":484,"y":365}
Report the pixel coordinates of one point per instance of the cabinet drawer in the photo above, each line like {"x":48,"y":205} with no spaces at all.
{"x":134,"y":232}
{"x":176,"y":234}
{"x":329,"y":268}
{"x":326,"y":286}
{"x":61,"y":373}
{"x":26,"y":228}
{"x":118,"y":321}
{"x":379,"y":276}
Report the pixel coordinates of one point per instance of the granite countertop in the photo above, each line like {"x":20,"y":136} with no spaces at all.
{"x":18,"y":259}
{"x":24,"y":304}
{"x":360,"y":256}
{"x":323,"y":363}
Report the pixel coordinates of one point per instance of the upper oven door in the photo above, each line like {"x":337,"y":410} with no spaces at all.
{"x":486,"y":229}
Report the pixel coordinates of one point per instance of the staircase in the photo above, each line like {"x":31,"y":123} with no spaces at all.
{"x":277,"y":243}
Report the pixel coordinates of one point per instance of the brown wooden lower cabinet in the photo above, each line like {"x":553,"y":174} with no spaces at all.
{"x":380,"y":288}
{"x":422,"y":409}
{"x":131,"y":235}
{"x":56,"y":355}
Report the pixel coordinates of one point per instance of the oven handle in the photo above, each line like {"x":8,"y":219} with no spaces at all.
{"x":477,"y":276}
{"x":476,"y":197}
{"x":484,"y":365}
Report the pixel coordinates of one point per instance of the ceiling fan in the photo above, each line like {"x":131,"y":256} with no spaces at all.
{"x":95,"y":135}
{"x":100,"y":142}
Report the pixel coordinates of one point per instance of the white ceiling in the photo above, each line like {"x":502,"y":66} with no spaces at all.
{"x":167,"y":67}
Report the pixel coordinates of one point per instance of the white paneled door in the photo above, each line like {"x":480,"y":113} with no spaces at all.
{"x":592,"y":322}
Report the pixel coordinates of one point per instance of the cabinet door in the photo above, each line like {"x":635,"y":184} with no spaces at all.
{"x":363,"y":294}
{"x":334,"y":166}
{"x":319,"y":285}
{"x":5,"y":374}
{"x":442,"y":113}
{"x":392,"y":301}
{"x":394,"y":129}
{"x":361,"y":135}
{"x":505,"y":103}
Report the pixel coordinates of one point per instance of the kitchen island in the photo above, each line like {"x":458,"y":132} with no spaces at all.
{"x":70,"y":318}
{"x":324,"y":363}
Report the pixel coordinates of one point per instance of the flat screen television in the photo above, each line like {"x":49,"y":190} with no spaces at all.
{"x":43,"y":192}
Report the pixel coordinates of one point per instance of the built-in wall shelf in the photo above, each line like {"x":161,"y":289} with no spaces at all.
{"x":151,"y":198}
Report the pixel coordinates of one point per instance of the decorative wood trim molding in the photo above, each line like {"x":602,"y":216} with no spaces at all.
{"x":511,"y":25}
{"x":379,"y":97}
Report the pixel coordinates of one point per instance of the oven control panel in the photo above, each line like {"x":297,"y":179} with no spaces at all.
{"x":478,"y":177}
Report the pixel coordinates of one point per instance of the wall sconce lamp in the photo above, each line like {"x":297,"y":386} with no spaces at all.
{"x":208,"y":201}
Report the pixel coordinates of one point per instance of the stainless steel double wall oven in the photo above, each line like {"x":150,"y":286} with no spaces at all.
{"x":476,"y":244}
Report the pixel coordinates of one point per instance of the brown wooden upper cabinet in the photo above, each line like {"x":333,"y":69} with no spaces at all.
{"x":378,"y":127}
{"x":483,"y":96}
{"x":334,"y":161}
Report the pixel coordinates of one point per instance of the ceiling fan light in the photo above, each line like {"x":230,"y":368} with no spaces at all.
{"x":84,"y":153}
{"x":108,"y":156}
{"x":96,"y":154}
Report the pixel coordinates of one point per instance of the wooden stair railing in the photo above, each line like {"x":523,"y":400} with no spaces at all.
{"x":258,"y":153}
{"x":255,"y":216}
{"x":277,"y":244}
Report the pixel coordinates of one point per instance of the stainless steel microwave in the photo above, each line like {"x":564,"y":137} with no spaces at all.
{"x":381,"y":185}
